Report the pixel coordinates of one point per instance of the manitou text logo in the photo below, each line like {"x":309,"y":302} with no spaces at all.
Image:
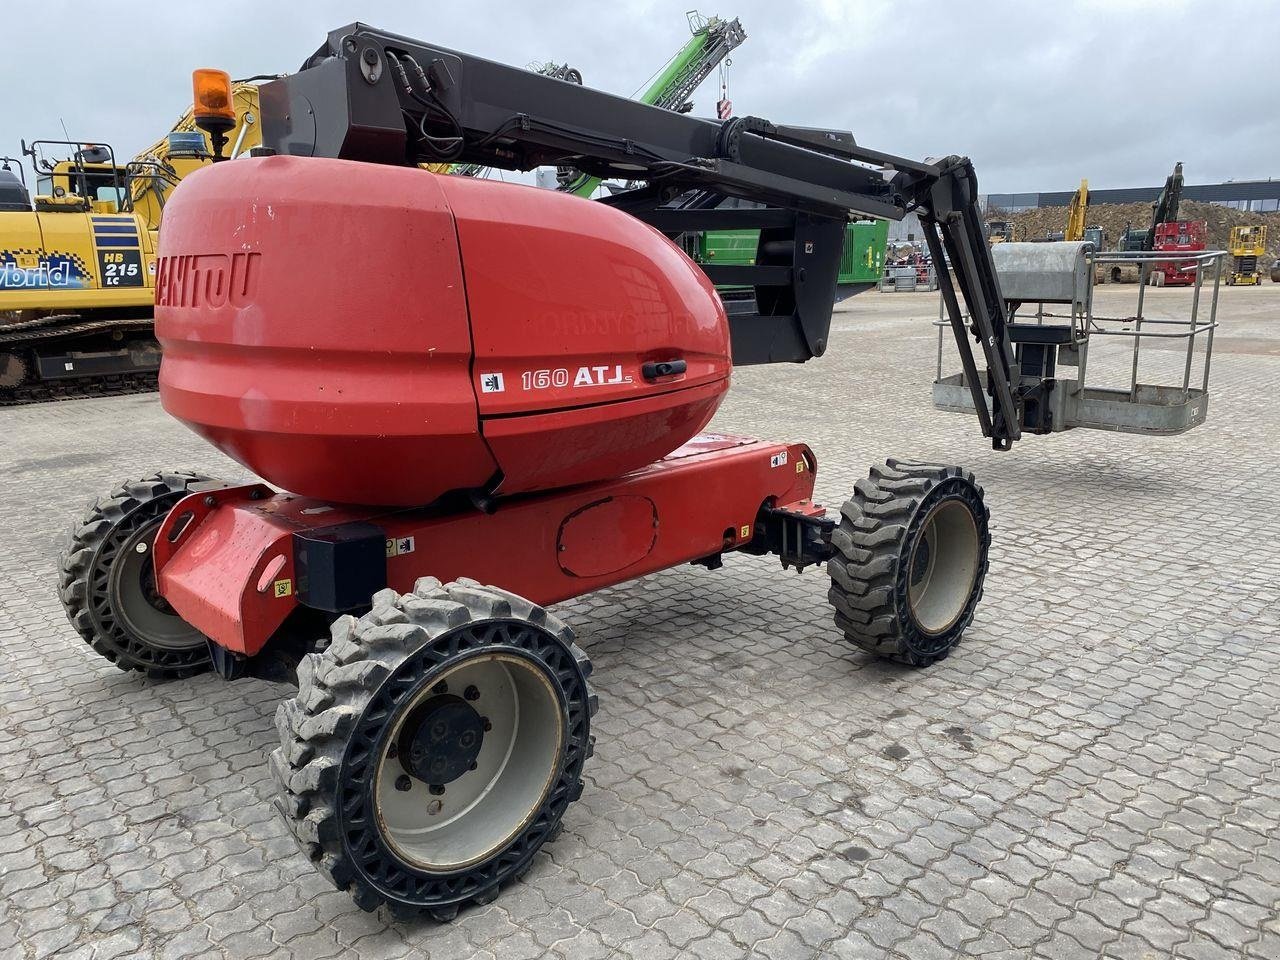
{"x":207,"y":280}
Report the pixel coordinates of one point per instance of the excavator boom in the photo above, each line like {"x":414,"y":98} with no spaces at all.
{"x":1076,"y":214}
{"x":1165,"y":209}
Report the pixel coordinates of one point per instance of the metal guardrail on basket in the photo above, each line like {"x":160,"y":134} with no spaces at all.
{"x":1062,"y":274}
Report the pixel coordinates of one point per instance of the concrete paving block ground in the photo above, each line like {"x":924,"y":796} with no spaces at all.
{"x":1094,"y":772}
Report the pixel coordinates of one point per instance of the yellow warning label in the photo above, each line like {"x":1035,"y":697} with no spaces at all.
{"x":284,"y":588}
{"x":746,"y":531}
{"x":799,"y":466}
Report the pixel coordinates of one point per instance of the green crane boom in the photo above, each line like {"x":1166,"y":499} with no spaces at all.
{"x":713,"y":39}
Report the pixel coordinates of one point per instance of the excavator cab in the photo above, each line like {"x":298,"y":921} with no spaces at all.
{"x":85,"y":179}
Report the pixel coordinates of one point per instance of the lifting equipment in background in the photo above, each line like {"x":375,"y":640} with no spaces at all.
{"x":711,"y":41}
{"x":1075,"y":230}
{"x":1168,"y":234}
{"x":1246,"y":247}
{"x":1076,"y":213}
{"x":446,"y":458}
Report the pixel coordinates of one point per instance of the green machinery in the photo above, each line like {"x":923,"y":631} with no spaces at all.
{"x":712,"y":40}
{"x":861,"y":264}
{"x":864,"y":246}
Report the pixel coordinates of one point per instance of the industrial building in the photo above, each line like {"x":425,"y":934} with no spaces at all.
{"x":1258,"y":196}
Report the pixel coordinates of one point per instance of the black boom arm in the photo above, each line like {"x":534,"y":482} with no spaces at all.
{"x":373,"y":96}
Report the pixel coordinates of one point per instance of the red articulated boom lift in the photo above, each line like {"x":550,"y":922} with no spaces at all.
{"x":475,"y":399}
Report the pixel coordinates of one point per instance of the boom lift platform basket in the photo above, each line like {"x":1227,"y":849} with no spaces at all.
{"x":1040,"y":274}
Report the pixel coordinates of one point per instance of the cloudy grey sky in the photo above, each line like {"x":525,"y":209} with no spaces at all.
{"x":1039,"y":94}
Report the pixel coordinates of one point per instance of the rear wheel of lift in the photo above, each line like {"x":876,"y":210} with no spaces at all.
{"x":434,"y":746}
{"x":910,"y":560}
{"x":106,"y":581}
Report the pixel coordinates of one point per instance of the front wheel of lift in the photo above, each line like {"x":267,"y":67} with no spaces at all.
{"x":106,"y":581}
{"x":909,"y":561}
{"x":434,"y":746}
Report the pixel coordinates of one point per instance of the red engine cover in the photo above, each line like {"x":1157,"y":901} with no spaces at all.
{"x":382,"y":335}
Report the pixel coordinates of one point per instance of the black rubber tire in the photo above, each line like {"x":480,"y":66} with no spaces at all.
{"x":84,"y":566}
{"x":349,"y":696}
{"x":874,"y":544}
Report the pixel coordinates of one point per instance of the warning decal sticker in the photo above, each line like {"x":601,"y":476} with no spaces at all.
{"x":398,"y":546}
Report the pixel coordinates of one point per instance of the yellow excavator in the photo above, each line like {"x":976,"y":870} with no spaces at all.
{"x":77,"y":259}
{"x":1076,"y":213}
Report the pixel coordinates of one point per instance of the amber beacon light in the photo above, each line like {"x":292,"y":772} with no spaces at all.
{"x":212,"y":108}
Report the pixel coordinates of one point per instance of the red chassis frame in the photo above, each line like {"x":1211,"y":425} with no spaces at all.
{"x":225,"y":556}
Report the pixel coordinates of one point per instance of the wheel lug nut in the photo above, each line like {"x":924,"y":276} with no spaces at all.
{"x":487,"y":725}
{"x":440,"y":687}
{"x":436,"y":789}
{"x":393,"y":751}
{"x":403,"y":782}
{"x":471,"y":693}
{"x":473,"y":765}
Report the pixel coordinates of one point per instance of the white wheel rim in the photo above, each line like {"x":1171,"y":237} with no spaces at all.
{"x":482,"y":810}
{"x":943,"y":566}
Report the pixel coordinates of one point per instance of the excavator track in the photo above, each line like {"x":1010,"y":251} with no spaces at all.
{"x":65,"y":325}
{"x":80,"y":388}
{"x":20,"y":339}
